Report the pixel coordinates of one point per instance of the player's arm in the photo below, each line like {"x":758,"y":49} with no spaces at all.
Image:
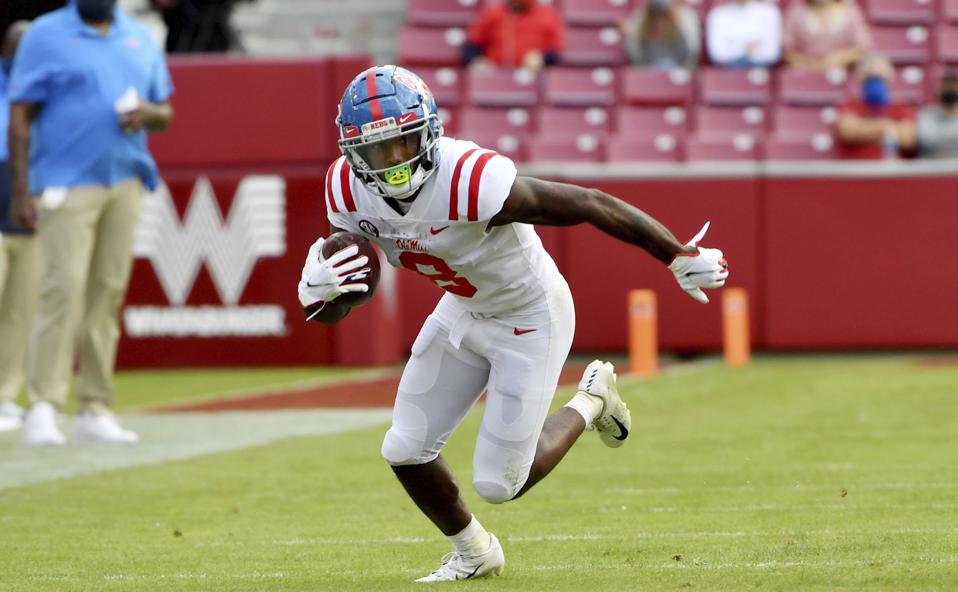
{"x":534,"y":201}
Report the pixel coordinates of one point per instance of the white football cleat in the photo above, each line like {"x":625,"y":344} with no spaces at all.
{"x":102,"y":428}
{"x":456,"y":566}
{"x":614,"y":421}
{"x":40,"y":426}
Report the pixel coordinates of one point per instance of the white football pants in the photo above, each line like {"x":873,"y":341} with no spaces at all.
{"x":518,"y":356}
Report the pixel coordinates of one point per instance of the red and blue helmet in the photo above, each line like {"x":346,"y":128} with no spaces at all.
{"x":380,"y":105}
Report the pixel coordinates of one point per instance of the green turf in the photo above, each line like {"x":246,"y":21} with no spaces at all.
{"x":795,"y":474}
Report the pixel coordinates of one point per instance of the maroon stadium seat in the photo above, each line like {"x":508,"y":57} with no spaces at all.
{"x":441,"y":13}
{"x":947,"y":44}
{"x":901,"y":12}
{"x":743,"y":146}
{"x":735,"y":87}
{"x":450,"y":120}
{"x":515,"y":145}
{"x":904,"y":45}
{"x":725,"y":122}
{"x":660,"y":147}
{"x":802,"y":121}
{"x":816,"y":147}
{"x":949,"y":10}
{"x":420,"y":46}
{"x":644,"y":121}
{"x":573,"y":121}
{"x":804,"y":87}
{"x":910,"y":85}
{"x":593,"y":47}
{"x":445,"y":84}
{"x":503,"y":87}
{"x":642,"y":86}
{"x":584,"y":148}
{"x":595,"y":12}
{"x":510,"y":120}
{"x":578,"y":87}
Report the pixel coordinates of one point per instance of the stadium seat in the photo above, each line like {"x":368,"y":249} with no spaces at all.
{"x":659,"y":147}
{"x":420,"y":46}
{"x":819,"y":146}
{"x":584,"y":148}
{"x":949,"y":10}
{"x":595,"y":12}
{"x":445,"y":84}
{"x":578,"y":87}
{"x":804,"y":87}
{"x":646,"y":121}
{"x":910,"y":85}
{"x":450,"y":120}
{"x":497,"y":120}
{"x":735,"y":87}
{"x":503,"y":87}
{"x":573,"y":121}
{"x":726,"y":122}
{"x":515,"y":145}
{"x":642,"y":86}
{"x":901,"y":12}
{"x":947,"y":44}
{"x":903,"y":45}
{"x":742,"y":146}
{"x":593,"y":47}
{"x":441,"y":13}
{"x":803,"y":122}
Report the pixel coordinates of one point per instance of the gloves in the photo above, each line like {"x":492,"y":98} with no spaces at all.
{"x":322,"y":279}
{"x":706,"y":269}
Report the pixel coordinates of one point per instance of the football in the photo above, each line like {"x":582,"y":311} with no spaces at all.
{"x":340,"y":241}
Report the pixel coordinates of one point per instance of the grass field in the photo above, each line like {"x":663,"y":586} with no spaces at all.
{"x":794,"y":474}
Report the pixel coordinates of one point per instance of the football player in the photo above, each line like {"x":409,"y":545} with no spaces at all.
{"x":459,"y":215}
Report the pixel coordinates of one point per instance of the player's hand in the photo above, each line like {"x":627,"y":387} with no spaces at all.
{"x":699,"y":268}
{"x":322,"y":279}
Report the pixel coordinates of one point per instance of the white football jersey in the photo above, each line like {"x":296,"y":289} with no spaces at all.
{"x":445,"y":236}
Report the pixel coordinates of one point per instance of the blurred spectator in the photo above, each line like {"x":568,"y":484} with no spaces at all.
{"x":663,"y":34}
{"x":19,"y":262}
{"x":938,"y":124}
{"x":823,"y":34}
{"x":197,"y":26}
{"x":78,"y":162}
{"x":872,"y":127}
{"x":744,"y":34}
{"x":517,"y":33}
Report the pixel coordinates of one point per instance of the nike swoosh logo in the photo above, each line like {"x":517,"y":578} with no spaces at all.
{"x":437,"y":230}
{"x":522,"y":331}
{"x":309,"y":285}
{"x":474,"y":571}
{"x":623,"y":431}
{"x":406,"y":118}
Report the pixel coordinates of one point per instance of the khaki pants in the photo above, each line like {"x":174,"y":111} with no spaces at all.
{"x":87,"y":252}
{"x":19,"y":291}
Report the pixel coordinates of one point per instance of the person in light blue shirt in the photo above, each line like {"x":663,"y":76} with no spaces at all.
{"x":87,"y":85}
{"x":19,"y":262}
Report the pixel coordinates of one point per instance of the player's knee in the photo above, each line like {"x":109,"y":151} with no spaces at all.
{"x":400,"y":449}
{"x":495,"y":492}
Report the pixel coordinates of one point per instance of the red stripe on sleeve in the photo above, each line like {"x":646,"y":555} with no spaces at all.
{"x":454,"y":188}
{"x":371,"y":92}
{"x":474,"y":180}
{"x":344,"y":184}
{"x":330,"y":198}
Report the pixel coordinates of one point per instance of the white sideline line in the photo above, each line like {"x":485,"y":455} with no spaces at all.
{"x":704,"y":565}
{"x":851,"y":487}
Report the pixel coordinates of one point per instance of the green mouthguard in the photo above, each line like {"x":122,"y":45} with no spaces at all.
{"x":399,"y":175}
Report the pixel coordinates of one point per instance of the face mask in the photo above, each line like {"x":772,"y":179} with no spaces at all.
{"x":949,"y":98}
{"x":96,"y":10}
{"x":875,"y":92}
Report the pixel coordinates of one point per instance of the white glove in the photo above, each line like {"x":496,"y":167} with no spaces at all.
{"x":322,"y":279}
{"x":707,"y":269}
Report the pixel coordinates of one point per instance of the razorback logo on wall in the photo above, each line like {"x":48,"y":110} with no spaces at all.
{"x":226,"y":246}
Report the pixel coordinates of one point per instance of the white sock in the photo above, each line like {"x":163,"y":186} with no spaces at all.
{"x":473,"y":540}
{"x":587,"y":406}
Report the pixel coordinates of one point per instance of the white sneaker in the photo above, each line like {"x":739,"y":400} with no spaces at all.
{"x":460,"y":567}
{"x":40,"y":426}
{"x":102,"y":428}
{"x":614,"y":421}
{"x":11,"y":416}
